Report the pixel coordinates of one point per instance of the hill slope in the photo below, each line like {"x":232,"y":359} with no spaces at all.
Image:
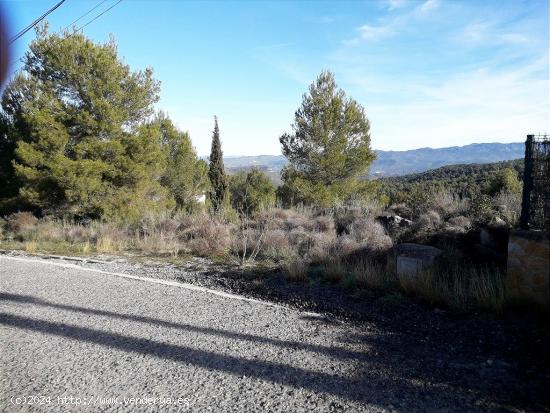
{"x":457,"y":179}
{"x":395,"y":163}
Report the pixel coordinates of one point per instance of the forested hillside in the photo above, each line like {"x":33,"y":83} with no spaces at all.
{"x":458,"y":179}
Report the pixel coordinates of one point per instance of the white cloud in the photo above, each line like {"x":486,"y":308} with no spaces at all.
{"x":392,"y":26}
{"x":513,"y":38}
{"x":375,"y":32}
{"x":475,"y":32}
{"x":479,"y":106}
{"x":428,"y":6}
{"x":491,"y":33}
{"x":396,"y":4}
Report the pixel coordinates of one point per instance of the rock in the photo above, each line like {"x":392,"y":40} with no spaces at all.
{"x":391,"y":222}
{"x":498,"y":222}
{"x":414,"y":259}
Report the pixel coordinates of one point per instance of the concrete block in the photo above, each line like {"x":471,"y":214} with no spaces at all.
{"x":528,"y":267}
{"x":414,"y":259}
{"x":409,"y":266}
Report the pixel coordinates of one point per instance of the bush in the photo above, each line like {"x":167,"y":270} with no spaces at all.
{"x":401,"y":210}
{"x":508,"y":205}
{"x":428,"y":222}
{"x":324,"y":223}
{"x":21,"y":222}
{"x":370,"y":235}
{"x":447,"y":204}
{"x":207,"y":236}
{"x":505,"y":180}
{"x":481,"y":208}
{"x":322,"y":246}
{"x":276,"y":239}
{"x":251,"y":191}
{"x":459,"y":224}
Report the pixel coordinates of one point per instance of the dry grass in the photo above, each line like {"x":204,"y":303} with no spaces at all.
{"x":296,"y":270}
{"x":447,"y":204}
{"x":334,"y":270}
{"x":30,"y":246}
{"x":459,"y":288}
{"x":430,"y":221}
{"x":367,"y":274}
{"x":370,"y":235}
{"x":105,"y":244}
{"x":291,"y":238}
{"x":322,"y":245}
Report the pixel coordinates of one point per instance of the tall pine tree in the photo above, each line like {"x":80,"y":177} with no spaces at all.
{"x":329,"y":150}
{"x":78,"y":119}
{"x":216,"y":171}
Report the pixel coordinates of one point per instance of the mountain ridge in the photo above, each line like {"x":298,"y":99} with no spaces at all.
{"x":397,"y":163}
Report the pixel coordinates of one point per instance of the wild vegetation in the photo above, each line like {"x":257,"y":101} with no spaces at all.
{"x":89,"y":167}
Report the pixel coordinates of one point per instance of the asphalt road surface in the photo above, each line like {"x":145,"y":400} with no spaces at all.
{"x":74,"y":339}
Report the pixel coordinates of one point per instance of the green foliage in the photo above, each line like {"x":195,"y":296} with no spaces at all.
{"x":9,"y":185}
{"x":329,"y":149}
{"x":505,"y":180}
{"x":216,"y":171}
{"x":463,"y":181}
{"x":251,"y":191}
{"x":185,"y":175}
{"x":481,"y":207}
{"x":83,"y":146}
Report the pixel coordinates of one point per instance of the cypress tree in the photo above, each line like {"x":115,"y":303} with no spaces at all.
{"x":216,"y":172}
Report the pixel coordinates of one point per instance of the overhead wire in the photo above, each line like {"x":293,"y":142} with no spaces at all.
{"x":99,"y":15}
{"x":34,"y":23}
{"x":85,"y":14}
{"x":78,"y":29}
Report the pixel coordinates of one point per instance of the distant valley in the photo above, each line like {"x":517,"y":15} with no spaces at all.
{"x":396,"y":163}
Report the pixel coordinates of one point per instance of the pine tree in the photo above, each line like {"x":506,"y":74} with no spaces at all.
{"x":216,"y":171}
{"x":329,"y":150}
{"x":186,"y":174}
{"x":83,"y":145}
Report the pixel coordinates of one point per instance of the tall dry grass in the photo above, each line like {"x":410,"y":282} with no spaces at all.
{"x":459,"y":287}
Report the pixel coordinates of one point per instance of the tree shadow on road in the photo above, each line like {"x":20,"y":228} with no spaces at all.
{"x":392,"y":371}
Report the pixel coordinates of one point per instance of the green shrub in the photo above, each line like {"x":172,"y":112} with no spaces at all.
{"x":251,"y":191}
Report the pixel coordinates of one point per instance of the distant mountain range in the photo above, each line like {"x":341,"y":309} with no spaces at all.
{"x":396,"y":163}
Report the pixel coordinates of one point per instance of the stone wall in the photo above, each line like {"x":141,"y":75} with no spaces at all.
{"x":528,"y":273}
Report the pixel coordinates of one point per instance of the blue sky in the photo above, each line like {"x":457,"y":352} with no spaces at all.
{"x":429,"y":73}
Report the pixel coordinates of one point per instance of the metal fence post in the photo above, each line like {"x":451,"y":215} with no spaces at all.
{"x":527,"y":183}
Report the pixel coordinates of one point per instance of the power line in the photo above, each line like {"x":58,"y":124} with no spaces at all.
{"x":30,"y":26}
{"x":99,"y":15}
{"x":85,"y":14}
{"x":80,"y":28}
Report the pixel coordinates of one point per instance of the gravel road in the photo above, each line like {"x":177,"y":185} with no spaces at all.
{"x":74,"y":338}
